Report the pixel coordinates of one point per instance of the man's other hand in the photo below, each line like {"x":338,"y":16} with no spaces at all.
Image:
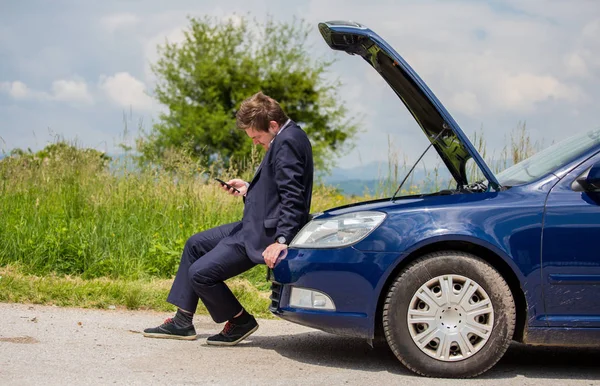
{"x":272,"y":253}
{"x":238,"y":184}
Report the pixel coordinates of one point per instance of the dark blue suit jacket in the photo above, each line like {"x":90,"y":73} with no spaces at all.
{"x":277,"y":202}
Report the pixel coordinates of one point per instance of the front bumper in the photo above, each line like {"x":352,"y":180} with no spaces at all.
{"x":352,"y":279}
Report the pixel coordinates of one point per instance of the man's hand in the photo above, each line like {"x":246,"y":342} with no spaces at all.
{"x":271,"y":254}
{"x":238,"y":184}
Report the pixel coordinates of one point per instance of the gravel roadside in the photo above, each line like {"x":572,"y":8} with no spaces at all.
{"x":53,"y":345}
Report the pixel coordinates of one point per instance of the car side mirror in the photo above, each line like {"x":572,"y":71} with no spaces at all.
{"x":591,"y":181}
{"x":593,"y":178}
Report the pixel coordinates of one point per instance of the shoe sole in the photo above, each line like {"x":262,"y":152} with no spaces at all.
{"x":218,"y":343}
{"x":169,"y":336}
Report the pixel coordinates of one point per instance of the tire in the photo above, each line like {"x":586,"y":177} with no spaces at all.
{"x":450,"y":315}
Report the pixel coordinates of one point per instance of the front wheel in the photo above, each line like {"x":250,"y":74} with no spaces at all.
{"x":449,"y":314}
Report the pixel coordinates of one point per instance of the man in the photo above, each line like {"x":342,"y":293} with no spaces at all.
{"x":277,"y":204}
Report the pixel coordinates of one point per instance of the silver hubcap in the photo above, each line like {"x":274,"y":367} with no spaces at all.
{"x":450,"y":318}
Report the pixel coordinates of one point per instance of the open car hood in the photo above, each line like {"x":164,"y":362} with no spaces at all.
{"x":452,"y":145}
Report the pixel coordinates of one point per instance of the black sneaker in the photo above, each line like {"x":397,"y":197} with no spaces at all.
{"x":233,"y":334}
{"x":168,"y":330}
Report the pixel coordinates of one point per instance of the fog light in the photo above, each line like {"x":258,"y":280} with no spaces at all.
{"x":306,"y":298}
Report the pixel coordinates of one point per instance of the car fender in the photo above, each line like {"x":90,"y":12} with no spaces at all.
{"x":437,"y":241}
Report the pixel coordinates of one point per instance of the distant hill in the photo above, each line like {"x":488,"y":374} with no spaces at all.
{"x":367,"y":178}
{"x":355,"y":187}
{"x":369,"y":171}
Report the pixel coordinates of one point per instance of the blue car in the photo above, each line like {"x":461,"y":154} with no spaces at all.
{"x":449,"y":279}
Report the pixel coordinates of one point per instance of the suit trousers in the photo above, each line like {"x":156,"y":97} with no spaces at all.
{"x":208,"y":259}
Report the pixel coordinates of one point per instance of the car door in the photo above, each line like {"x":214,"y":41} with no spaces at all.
{"x":571,"y":252}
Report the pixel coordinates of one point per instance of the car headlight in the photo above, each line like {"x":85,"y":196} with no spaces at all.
{"x":338,"y":231}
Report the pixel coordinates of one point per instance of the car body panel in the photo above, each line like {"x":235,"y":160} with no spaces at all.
{"x":503,"y":223}
{"x":571,"y":263}
{"x":506,"y":223}
{"x":344,"y":269}
{"x":539,"y":235}
{"x":566,"y":336}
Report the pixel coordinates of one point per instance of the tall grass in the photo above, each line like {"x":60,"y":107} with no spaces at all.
{"x":64,"y":211}
{"x":68,"y":213}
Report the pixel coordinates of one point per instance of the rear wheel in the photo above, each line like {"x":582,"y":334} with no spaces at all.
{"x":449,"y":314}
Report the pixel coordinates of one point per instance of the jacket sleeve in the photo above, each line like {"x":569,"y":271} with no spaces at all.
{"x":289,"y":171}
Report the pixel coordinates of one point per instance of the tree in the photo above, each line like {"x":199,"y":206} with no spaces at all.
{"x":204,"y":79}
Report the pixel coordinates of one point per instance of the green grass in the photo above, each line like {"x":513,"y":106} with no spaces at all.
{"x":67,"y":214}
{"x":75,"y":232}
{"x":105,"y":293}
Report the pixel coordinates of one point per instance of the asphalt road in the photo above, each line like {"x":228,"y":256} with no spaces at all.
{"x":52,"y":345}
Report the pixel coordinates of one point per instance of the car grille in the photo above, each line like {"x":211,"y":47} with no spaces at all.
{"x":275,"y":296}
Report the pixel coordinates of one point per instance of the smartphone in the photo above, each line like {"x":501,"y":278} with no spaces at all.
{"x":226,"y":184}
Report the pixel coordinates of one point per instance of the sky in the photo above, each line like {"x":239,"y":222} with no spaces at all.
{"x":80,"y":70}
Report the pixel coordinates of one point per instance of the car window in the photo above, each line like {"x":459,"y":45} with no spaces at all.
{"x":549,"y":159}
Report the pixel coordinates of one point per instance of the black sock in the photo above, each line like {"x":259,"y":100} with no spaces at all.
{"x":183,"y":318}
{"x":242,"y":319}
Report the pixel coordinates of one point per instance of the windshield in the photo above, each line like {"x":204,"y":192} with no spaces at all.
{"x":549,"y":159}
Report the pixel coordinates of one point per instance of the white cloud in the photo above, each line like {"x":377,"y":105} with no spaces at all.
{"x":174,"y":35}
{"x":584,"y":60}
{"x":126,"y":91}
{"x":119,"y":20}
{"x":479,"y":85}
{"x":576,"y":65}
{"x":592,"y":29}
{"x":478,"y":58}
{"x":492,"y":63}
{"x":522,"y":91}
{"x":16,"y":89}
{"x":73,"y":92}
{"x":465,"y":101}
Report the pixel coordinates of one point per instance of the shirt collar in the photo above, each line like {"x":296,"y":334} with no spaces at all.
{"x":281,"y":129}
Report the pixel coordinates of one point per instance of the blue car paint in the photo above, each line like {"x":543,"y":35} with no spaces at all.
{"x":355,"y":277}
{"x":506,"y":223}
{"x":541,"y":236}
{"x":570,"y":256}
{"x":358,"y":273}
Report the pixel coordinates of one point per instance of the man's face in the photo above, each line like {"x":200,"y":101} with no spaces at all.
{"x":263,"y":138}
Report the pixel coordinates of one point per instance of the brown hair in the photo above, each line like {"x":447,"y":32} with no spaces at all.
{"x":257,"y":111}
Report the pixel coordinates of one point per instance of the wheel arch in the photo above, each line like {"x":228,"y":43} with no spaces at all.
{"x":491,"y":257}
